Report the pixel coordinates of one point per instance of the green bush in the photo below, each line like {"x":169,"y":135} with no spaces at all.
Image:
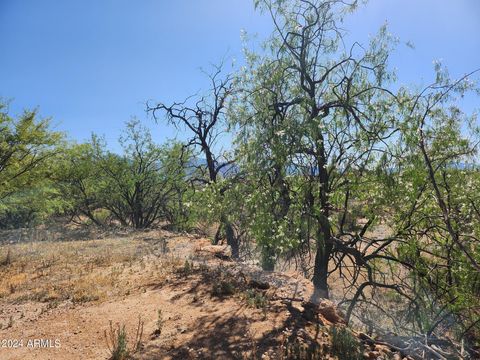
{"x":223,"y":288}
{"x":256,"y":299}
{"x":295,"y":349}
{"x":344,"y":345}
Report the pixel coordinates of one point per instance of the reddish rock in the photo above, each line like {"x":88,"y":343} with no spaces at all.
{"x":326,"y":309}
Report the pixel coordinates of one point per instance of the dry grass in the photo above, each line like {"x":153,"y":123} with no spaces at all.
{"x":80,"y":271}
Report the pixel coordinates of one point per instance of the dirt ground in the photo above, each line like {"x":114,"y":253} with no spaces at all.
{"x":58,"y":299}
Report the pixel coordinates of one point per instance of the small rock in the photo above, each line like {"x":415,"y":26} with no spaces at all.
{"x":331,"y":315}
{"x":383,"y":349}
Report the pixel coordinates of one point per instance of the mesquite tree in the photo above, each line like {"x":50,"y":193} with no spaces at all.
{"x":266,"y":131}
{"x":143,"y":182}
{"x":80,"y":181}
{"x":27,"y":146}
{"x":204,"y":118}
{"x":338,"y":117}
{"x":436,"y":214}
{"x":141,"y":187}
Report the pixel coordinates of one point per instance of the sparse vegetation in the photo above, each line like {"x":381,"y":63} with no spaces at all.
{"x":344,"y":344}
{"x":187,"y":268}
{"x":159,"y":323}
{"x":83,"y":271}
{"x":223,"y":288}
{"x":118,"y":344}
{"x":10,"y":322}
{"x":297,"y":349}
{"x":311,"y":158}
{"x":116,"y":340}
{"x":256,"y":299}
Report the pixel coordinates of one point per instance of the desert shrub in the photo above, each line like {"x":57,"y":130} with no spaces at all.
{"x":344,"y":345}
{"x":296,"y":349}
{"x":159,"y":323}
{"x":117,"y":341}
{"x":187,"y":268}
{"x":30,"y":207}
{"x":223,"y":288}
{"x":256,"y":299}
{"x":141,"y":187}
{"x":103,"y":215}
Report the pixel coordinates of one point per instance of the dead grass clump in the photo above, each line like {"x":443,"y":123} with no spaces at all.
{"x":11,"y":283}
{"x":90,"y":288}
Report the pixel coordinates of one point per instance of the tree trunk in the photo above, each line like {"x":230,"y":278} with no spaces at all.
{"x":268,"y":258}
{"x":320,"y":272}
{"x":232,"y":240}
{"x":218,"y":234}
{"x":322,"y":256}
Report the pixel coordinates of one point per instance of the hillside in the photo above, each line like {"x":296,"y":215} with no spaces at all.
{"x":191,"y":300}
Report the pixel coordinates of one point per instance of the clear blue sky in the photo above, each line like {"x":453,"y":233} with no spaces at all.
{"x":91,"y":64}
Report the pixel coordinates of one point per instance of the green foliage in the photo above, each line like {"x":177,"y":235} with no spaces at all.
{"x":27,"y":145}
{"x":311,"y":126}
{"x":78,"y":178}
{"x":256,"y":299}
{"x":325,"y":151}
{"x":344,"y":345}
{"x":144,"y":185}
{"x":298,"y":349}
{"x":325,"y":144}
{"x":117,"y":341}
{"x":433,"y":195}
{"x":142,"y":182}
{"x":223,"y":288}
{"x":30,"y":206}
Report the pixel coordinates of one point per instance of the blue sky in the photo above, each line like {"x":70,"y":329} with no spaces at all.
{"x":91,"y":64}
